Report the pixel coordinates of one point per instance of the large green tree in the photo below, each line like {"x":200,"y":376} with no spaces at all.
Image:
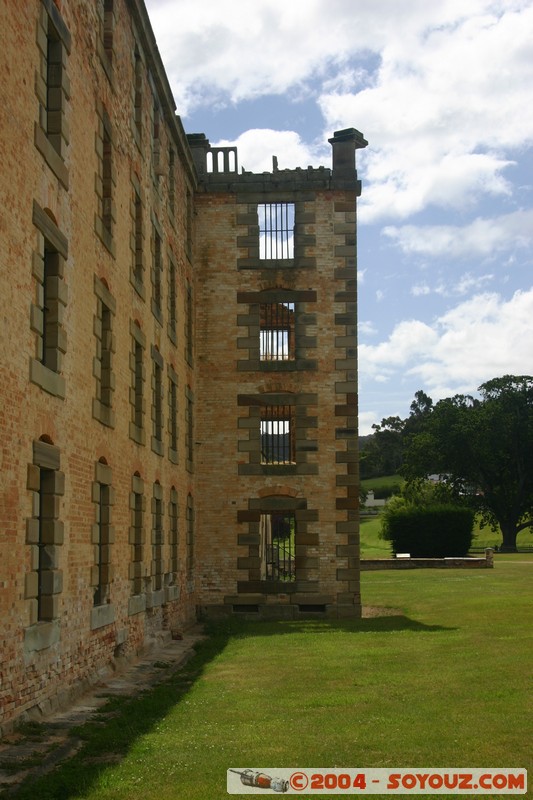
{"x":484,"y":447}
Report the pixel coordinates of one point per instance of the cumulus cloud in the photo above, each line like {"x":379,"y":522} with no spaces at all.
{"x":366,"y":328}
{"x":478,"y":339}
{"x":256,"y":147}
{"x":481,"y":237}
{"x":440,"y":90}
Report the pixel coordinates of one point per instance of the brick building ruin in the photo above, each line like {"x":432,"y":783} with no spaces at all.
{"x":178,"y":373}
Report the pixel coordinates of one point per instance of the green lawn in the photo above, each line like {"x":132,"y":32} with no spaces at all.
{"x":372,"y":546}
{"x":382,"y":481}
{"x":445,"y":682}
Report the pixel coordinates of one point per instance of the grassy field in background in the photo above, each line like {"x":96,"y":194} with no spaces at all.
{"x":382,"y":481}
{"x":446,"y":681}
{"x":372,"y":546}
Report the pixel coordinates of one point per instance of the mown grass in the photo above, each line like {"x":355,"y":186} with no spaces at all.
{"x":446,"y":682}
{"x":373,"y":546}
{"x":382,"y":482}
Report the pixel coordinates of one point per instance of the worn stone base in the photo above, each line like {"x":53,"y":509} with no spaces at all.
{"x":428,"y":563}
{"x":271,"y":611}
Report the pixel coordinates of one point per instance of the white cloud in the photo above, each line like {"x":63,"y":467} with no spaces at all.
{"x":465,"y":284}
{"x":366,"y":420}
{"x":440,"y":90}
{"x":482,"y":237}
{"x":440,"y":115}
{"x":420,"y":290}
{"x":481,"y":338}
{"x":256,"y":147}
{"x":366,"y":328}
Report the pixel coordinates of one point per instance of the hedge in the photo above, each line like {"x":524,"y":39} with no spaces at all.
{"x":440,"y":531}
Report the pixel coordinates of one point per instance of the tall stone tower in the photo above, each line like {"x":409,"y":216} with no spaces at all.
{"x":275,"y":421}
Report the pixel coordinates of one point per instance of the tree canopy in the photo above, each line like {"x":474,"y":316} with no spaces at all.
{"x":484,"y":448}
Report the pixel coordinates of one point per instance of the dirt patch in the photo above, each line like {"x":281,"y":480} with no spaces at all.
{"x":380,"y":611}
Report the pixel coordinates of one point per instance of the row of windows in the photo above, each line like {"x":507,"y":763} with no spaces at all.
{"x":52,"y":133}
{"x":154,"y":563}
{"x":46,"y":321}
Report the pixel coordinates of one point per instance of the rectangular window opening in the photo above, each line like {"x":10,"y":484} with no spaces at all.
{"x":157,"y":545}
{"x":54,"y":92}
{"x":158,"y":402}
{"x":107,"y":181}
{"x":277,"y":536}
{"x":105,"y":386}
{"x":138,"y":385}
{"x":157,"y":273}
{"x":108,"y":29}
{"x":173,"y":403}
{"x":46,"y":499}
{"x":138,"y":238}
{"x":277,"y":435}
{"x":102,"y":546}
{"x":137,"y":544}
{"x":172,"y":298}
{"x":276,"y":332}
{"x":276,"y":231}
{"x":50,"y":308}
{"x":138,"y":102}
{"x":174,"y":540}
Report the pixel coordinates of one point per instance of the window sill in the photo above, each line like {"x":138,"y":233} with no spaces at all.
{"x":51,"y":156}
{"x":102,"y":615}
{"x":103,"y":414}
{"x":105,"y":236}
{"x":47,"y":379}
{"x":157,"y":446}
{"x":137,"y":434}
{"x":138,"y":286}
{"x":41,"y":636}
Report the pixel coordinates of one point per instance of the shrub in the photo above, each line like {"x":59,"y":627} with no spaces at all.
{"x":436,"y":531}
{"x":384,"y":492}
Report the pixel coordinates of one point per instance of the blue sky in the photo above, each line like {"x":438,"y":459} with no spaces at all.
{"x":443,"y":92}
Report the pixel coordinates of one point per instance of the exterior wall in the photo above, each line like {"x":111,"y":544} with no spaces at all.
{"x":130,"y":378}
{"x":233,"y":487}
{"x":59,"y":197}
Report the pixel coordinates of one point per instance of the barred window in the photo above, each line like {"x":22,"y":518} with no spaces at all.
{"x":137,"y":240}
{"x":276,"y":230}
{"x":173,"y":538}
{"x":47,"y":313}
{"x":105,"y":346}
{"x":157,"y":272}
{"x":107,"y":183}
{"x":172,"y":414}
{"x":137,"y":534}
{"x":190,"y":536}
{"x":44,"y":532}
{"x":156,"y":141}
{"x":50,"y":352}
{"x":157,"y":401}
{"x":102,"y":537}
{"x":157,"y":537}
{"x":189,"y":428}
{"x":138,"y":94}
{"x":277,"y":537}
{"x":138,"y":374}
{"x":105,"y":180}
{"x":277,"y":435}
{"x":172,"y":301}
{"x":276,"y":331}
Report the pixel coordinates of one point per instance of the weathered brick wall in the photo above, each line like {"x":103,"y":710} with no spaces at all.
{"x":322,"y":487}
{"x":100,"y":195}
{"x":32,"y":673}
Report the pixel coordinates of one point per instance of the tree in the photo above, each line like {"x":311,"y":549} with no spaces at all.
{"x":484,"y":447}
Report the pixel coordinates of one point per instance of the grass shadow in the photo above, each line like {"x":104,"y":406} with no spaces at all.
{"x":388,"y":623}
{"x":109,"y":736}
